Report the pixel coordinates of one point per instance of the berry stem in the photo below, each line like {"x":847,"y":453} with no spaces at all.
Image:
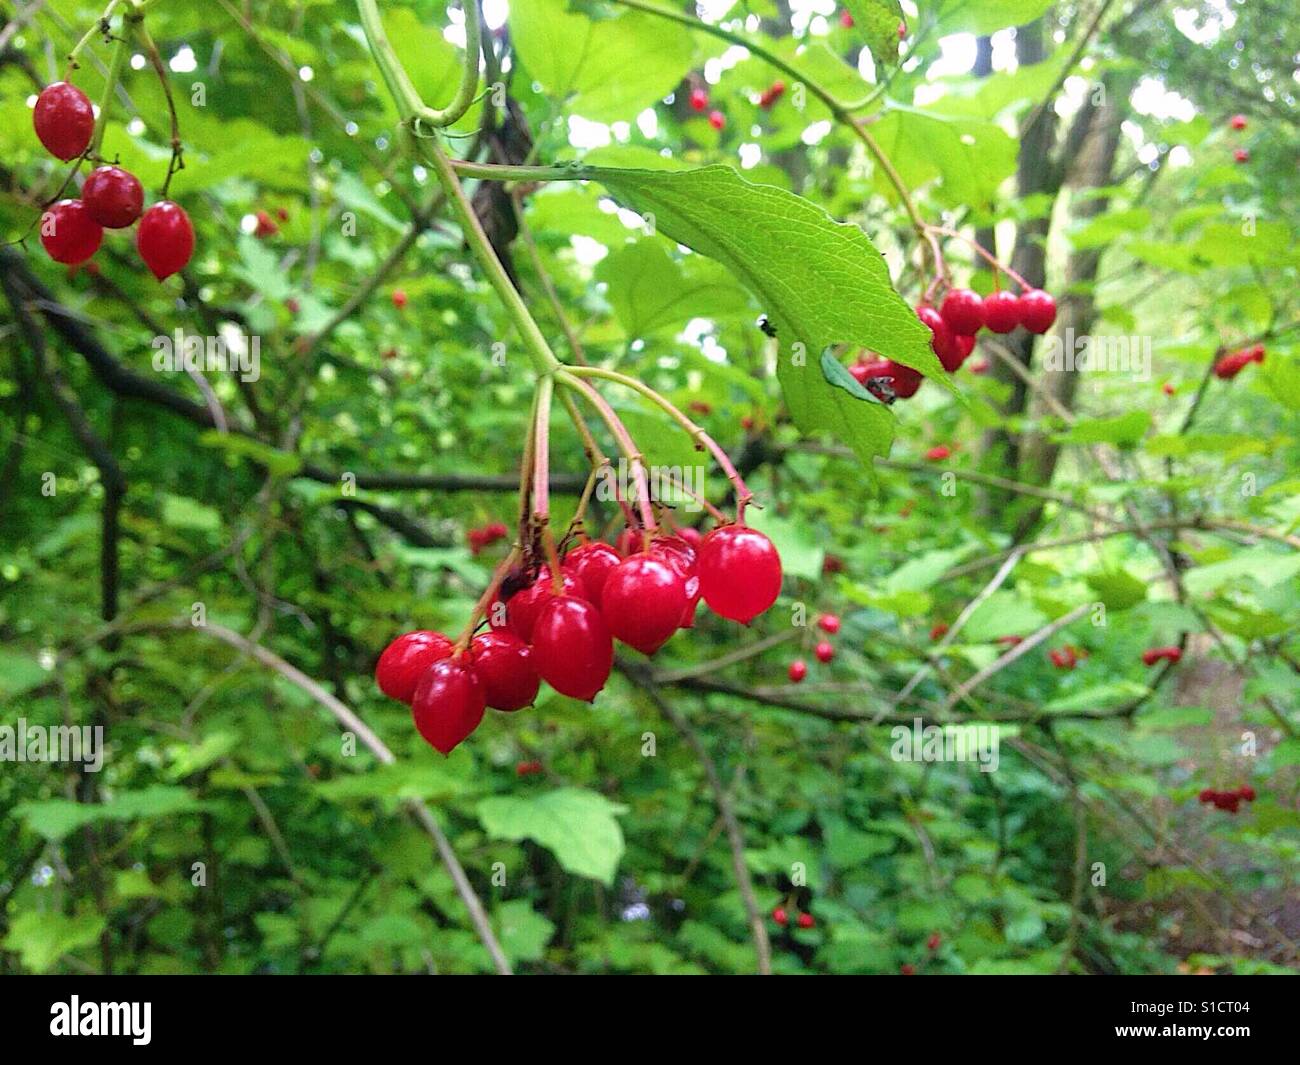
{"x":542,"y":451}
{"x":99,"y":27}
{"x":156,"y":61}
{"x":485,"y":600}
{"x":983,"y":253}
{"x":116,"y":65}
{"x":696,"y":432}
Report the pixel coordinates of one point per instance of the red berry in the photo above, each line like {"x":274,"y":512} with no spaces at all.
{"x":526,"y":606}
{"x":691,"y":535}
{"x":932,"y":944}
{"x":699,"y":99}
{"x":1037,"y":310}
{"x":1154,"y":654}
{"x":1246,"y":792}
{"x":806,"y":920}
{"x":780,"y":917}
{"x":938,"y":453}
{"x":1207,"y":795}
{"x":165,"y":239}
{"x":504,"y":665}
{"x":907,"y":969}
{"x":902,"y":379}
{"x":113,"y":197}
{"x":572,"y":647}
{"x":740,"y":572}
{"x":448,"y":704}
{"x":590,"y":564}
{"x":824,"y":651}
{"x":69,"y":234}
{"x":846,"y":20}
{"x":644,"y":602}
{"x":64,"y":120}
{"x":798,"y":670}
{"x":1237,"y":122}
{"x":963,"y":310}
{"x":525,"y":769}
{"x":405,"y":661}
{"x":1168,"y":389}
{"x":1230,"y":365}
{"x":717,"y":119}
{"x":628,"y":542}
{"x":965,"y":345}
{"x":939,"y":630}
{"x":266,"y":226}
{"x":399,"y":298}
{"x":1001,"y":311}
{"x":941,"y":339}
{"x":829,"y":623}
{"x":1241,"y":155}
{"x":676,"y":552}
{"x":832,"y":564}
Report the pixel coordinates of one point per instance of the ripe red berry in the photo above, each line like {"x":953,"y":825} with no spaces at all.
{"x":938,"y":453}
{"x":165,"y":239}
{"x":69,"y":234}
{"x":572,"y":647}
{"x":1232,"y":364}
{"x":829,"y":623}
{"x":525,"y":769}
{"x":1246,"y":792}
{"x":1241,"y":155}
{"x":798,"y":670}
{"x":942,"y":342}
{"x":644,"y":602}
{"x":1207,"y":795}
{"x":846,"y":19}
{"x":903,"y":379}
{"x":939,"y":630}
{"x":64,"y":120}
{"x":691,"y":535}
{"x":824,"y":651}
{"x":1037,"y":310}
{"x":780,"y":917}
{"x":1168,"y":389}
{"x":399,"y":298}
{"x":113,"y":197}
{"x":266,"y":226}
{"x":1152,"y":655}
{"x":504,"y":666}
{"x":932,"y":944}
{"x":963,"y":310}
{"x":717,"y":120}
{"x":965,"y":345}
{"x":524,"y":607}
{"x":448,"y":703}
{"x":699,"y":99}
{"x":806,"y":920}
{"x":740,"y":572}
{"x":1001,"y":311}
{"x":590,"y":564}
{"x":628,"y":542}
{"x":907,"y":969}
{"x":405,"y":661}
{"x":674,"y":550}
{"x":831,"y":565}
{"x":1237,"y":122}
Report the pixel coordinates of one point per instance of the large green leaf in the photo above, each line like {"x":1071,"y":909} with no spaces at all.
{"x":878,"y":22}
{"x":820,"y":282}
{"x":41,"y":937}
{"x":579,"y":827}
{"x":651,"y":290}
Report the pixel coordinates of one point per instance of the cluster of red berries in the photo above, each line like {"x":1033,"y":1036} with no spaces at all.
{"x":1152,"y":655}
{"x":560,"y":626}
{"x":111,"y":197}
{"x":931,"y":945}
{"x":268,"y":226}
{"x":1228,"y":800}
{"x":1238,"y":123}
{"x":782,"y":918}
{"x":485,"y":536}
{"x":952,"y":333}
{"x":528,"y":769}
{"x":699,"y":101}
{"x":823,"y":652}
{"x":1067,"y":657}
{"x":1233,"y":363}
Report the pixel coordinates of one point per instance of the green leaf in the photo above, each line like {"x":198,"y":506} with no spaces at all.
{"x":801,"y":554}
{"x":56,"y":818}
{"x":1117,"y":589}
{"x":181,"y":512}
{"x":606,"y":69}
{"x":278,"y":463}
{"x":650,"y":290}
{"x":985,"y":16}
{"x":1098,"y":697}
{"x":579,"y":827}
{"x":919,"y":573}
{"x":41,"y":937}
{"x":19,"y":673}
{"x":837,"y":374}
{"x":878,"y":21}
{"x":1002,"y":614}
{"x":1124,"y":430}
{"x":819,"y":281}
{"x":1267,"y":567}
{"x":523,"y":931}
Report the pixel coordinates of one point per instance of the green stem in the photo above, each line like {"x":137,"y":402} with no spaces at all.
{"x":497,"y":172}
{"x":86,"y":38}
{"x":115,"y":67}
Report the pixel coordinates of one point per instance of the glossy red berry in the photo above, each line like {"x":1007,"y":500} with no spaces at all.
{"x":780,"y":916}
{"x":674,"y":550}
{"x":699,"y":99}
{"x":907,"y":969}
{"x":399,"y":298}
{"x":740,"y":572}
{"x":965,"y":345}
{"x":806,"y":920}
{"x":504,"y":666}
{"x":1001,"y":311}
{"x":448,"y":703}
{"x":829,"y":623}
{"x":938,"y":453}
{"x":527,"y":769}
{"x":405,"y":661}
{"x":942,"y":342}
{"x":572,"y":647}
{"x":1037,"y":310}
{"x":691,"y":535}
{"x":846,"y":19}
{"x":526,"y":606}
{"x":1152,"y":655}
{"x":644,"y":602}
{"x":265,"y":227}
{"x":963,"y":310}
{"x":590,"y":564}
{"x":932,"y":944}
{"x":903,"y":379}
{"x":69,"y":234}
{"x":64,"y":120}
{"x":1241,"y":155}
{"x":628,"y":542}
{"x":1237,"y":122}
{"x":113,"y":197}
{"x":165,"y":239}
{"x":1207,"y":795}
{"x":717,"y":120}
{"x":824,"y":651}
{"x":798,"y":670}
{"x":939,"y":630}
{"x":1168,"y":389}
{"x":1246,"y":792}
